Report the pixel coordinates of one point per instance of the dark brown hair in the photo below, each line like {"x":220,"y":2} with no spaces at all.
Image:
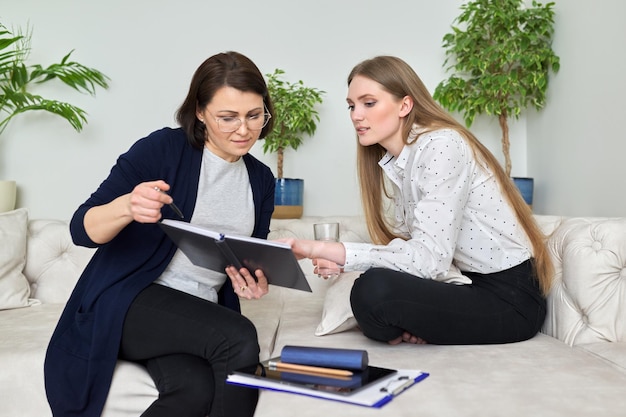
{"x":230,"y":69}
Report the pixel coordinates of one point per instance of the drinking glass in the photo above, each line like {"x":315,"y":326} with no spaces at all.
{"x":328,"y":232}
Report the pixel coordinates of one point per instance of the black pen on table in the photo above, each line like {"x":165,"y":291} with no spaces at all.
{"x":172,"y":205}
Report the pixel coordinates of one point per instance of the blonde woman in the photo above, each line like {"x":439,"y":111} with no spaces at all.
{"x":462,"y":261}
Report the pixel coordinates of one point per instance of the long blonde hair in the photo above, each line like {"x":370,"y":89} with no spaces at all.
{"x":399,"y":79}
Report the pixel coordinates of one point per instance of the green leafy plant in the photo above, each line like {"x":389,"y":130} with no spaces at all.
{"x":295,"y":115}
{"x":16,"y":78}
{"x":501,"y":60}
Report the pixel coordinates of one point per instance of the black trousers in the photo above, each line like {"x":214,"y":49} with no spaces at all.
{"x":502,"y":307}
{"x":189,"y":345}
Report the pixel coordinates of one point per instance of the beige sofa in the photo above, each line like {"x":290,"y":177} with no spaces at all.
{"x":575,"y":367}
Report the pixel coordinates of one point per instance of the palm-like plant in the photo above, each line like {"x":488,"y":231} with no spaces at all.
{"x":16,"y":77}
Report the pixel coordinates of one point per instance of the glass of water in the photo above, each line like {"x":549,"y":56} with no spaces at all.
{"x":328,"y":232}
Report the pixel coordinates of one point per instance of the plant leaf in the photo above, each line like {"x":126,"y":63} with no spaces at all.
{"x":16,"y":78}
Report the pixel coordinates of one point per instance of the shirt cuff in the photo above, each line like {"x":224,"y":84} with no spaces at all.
{"x":357,"y":256}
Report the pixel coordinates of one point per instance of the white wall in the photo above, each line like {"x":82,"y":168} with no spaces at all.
{"x":150,"y":50}
{"x":576,"y":144}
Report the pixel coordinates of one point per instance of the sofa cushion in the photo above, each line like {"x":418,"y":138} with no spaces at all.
{"x":132,"y":391}
{"x":541,"y":376}
{"x":266,"y":313}
{"x":14,"y":288}
{"x":613,"y":353}
{"x":24,"y":337}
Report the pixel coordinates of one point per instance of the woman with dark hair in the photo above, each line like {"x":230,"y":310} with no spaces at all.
{"x":140,"y":299}
{"x":462,"y":260}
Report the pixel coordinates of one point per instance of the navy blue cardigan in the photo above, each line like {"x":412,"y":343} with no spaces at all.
{"x":83,"y":350}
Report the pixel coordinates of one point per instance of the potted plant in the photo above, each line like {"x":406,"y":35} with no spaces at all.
{"x":295,"y":117}
{"x":15,"y":98}
{"x":501,"y":60}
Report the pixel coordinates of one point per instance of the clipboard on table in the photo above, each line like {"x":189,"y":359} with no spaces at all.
{"x":372,"y":387}
{"x":212,"y":250}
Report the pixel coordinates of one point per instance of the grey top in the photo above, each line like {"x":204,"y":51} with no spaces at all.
{"x":224,"y":204}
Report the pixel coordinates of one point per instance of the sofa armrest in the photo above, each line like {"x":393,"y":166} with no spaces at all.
{"x":588,"y":297}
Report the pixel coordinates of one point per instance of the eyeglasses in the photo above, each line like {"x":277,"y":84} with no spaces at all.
{"x":229,"y":124}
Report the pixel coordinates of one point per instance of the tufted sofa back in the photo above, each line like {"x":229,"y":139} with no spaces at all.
{"x":586,"y":305}
{"x":53,"y":262}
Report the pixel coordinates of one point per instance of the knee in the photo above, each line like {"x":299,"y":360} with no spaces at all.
{"x":245,"y":345}
{"x":247,"y":329}
{"x":371,"y":300}
{"x":368,"y":289}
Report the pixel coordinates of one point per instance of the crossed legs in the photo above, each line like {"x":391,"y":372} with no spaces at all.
{"x":393,"y":306}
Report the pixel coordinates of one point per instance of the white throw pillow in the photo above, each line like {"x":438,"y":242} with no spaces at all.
{"x":14,"y":287}
{"x":337,"y":313}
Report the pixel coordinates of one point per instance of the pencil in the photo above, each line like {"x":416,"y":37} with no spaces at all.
{"x":305,"y":368}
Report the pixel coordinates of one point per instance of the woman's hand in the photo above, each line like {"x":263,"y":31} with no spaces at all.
{"x":147,"y":199}
{"x":317,"y":249}
{"x":245,"y":285}
{"x":143,"y":204}
{"x":301,"y":248}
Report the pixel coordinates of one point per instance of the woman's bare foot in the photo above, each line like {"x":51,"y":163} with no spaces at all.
{"x":395,"y":341}
{"x":408,"y":338}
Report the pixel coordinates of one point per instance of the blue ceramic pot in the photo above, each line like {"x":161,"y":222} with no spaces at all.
{"x":526,"y":187}
{"x":288,"y":198}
